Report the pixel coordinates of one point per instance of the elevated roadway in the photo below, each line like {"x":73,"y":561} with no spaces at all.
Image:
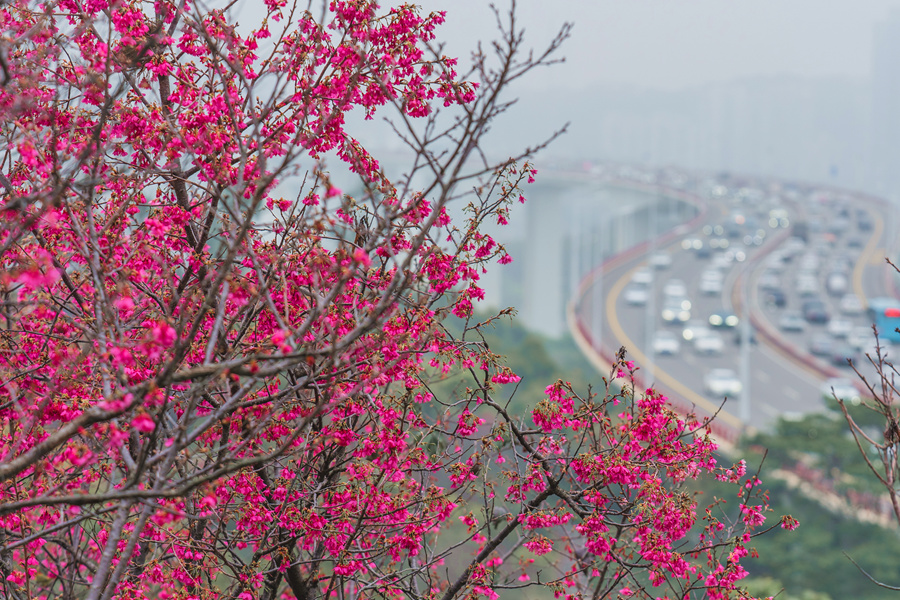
{"x":780,"y":375}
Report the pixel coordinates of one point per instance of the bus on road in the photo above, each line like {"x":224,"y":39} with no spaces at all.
{"x":885,"y":314}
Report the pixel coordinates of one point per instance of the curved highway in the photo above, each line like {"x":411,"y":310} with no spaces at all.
{"x":796,"y":249}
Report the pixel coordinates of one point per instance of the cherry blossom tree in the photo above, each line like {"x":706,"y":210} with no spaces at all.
{"x":213,"y":388}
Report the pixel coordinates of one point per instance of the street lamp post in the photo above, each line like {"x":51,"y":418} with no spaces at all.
{"x":744,"y":409}
{"x":650,"y":316}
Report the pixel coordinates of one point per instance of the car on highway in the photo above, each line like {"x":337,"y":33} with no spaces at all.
{"x":842,"y":388}
{"x":721,"y":261}
{"x":809,"y":262}
{"x":792,"y":320}
{"x":708,"y":342}
{"x":660,"y":260}
{"x":642,"y":276}
{"x":794,"y":246}
{"x":775,"y":262}
{"x":815,"y":311}
{"x":778,"y":217}
{"x":693,"y":328}
{"x":724,"y":319}
{"x":807,"y":284}
{"x":675,"y":288}
{"x":836,"y":284}
{"x":851,"y":305}
{"x":711,"y":287}
{"x":676,"y":309}
{"x":637,"y":295}
{"x":776,"y":298}
{"x":711,"y":282}
{"x":839,"y":328}
{"x":838,"y":226}
{"x":885,"y":347}
{"x":666,"y":343}
{"x":736,"y":256}
{"x":691,"y":244}
{"x":738,"y":335}
{"x":722,"y":382}
{"x":820,"y":344}
{"x":861,"y":337}
{"x":842,"y":264}
{"x":843,"y":353}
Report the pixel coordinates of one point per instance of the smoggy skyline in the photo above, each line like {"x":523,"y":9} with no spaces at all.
{"x":673,"y":44}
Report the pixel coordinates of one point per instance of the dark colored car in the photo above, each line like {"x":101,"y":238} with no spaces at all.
{"x":841,"y":354}
{"x":724,"y":320}
{"x":737,"y":335}
{"x":776,"y":298}
{"x":814,"y":311}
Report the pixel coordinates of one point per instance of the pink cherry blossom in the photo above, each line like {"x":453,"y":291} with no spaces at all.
{"x":226,"y":377}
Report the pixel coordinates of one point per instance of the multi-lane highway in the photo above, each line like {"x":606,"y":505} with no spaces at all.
{"x":780,"y":253}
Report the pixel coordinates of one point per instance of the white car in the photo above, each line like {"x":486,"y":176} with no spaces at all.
{"x":722,"y":382}
{"x":792,"y":320}
{"x":661,"y":260}
{"x":711,"y":282}
{"x":665,"y":343}
{"x":809,"y":262}
{"x":839,"y":328}
{"x":693,"y":328}
{"x":637,"y":295}
{"x":851,"y":305}
{"x":720,"y":261}
{"x":861,"y":337}
{"x":807,"y":284}
{"x":836,"y":284}
{"x":675,"y":288}
{"x":711,"y":287}
{"x":709,"y":342}
{"x":642,"y":276}
{"x":841,"y":388}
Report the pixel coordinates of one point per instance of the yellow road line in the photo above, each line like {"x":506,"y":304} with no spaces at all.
{"x":864,"y":258}
{"x":662,"y":376}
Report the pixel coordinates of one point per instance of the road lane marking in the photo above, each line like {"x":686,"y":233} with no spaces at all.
{"x":865,"y":256}
{"x":792,"y":393}
{"x":763,"y":376}
{"x":660,"y":375}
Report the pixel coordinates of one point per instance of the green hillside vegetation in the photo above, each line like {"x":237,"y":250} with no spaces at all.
{"x":809,"y":563}
{"x":537,"y":359}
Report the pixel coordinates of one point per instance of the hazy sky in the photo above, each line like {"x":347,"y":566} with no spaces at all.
{"x":678,"y":43}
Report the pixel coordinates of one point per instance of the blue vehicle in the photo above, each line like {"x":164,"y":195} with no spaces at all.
{"x":885,"y":314}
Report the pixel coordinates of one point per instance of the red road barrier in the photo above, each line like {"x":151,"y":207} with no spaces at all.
{"x":718,"y":428}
